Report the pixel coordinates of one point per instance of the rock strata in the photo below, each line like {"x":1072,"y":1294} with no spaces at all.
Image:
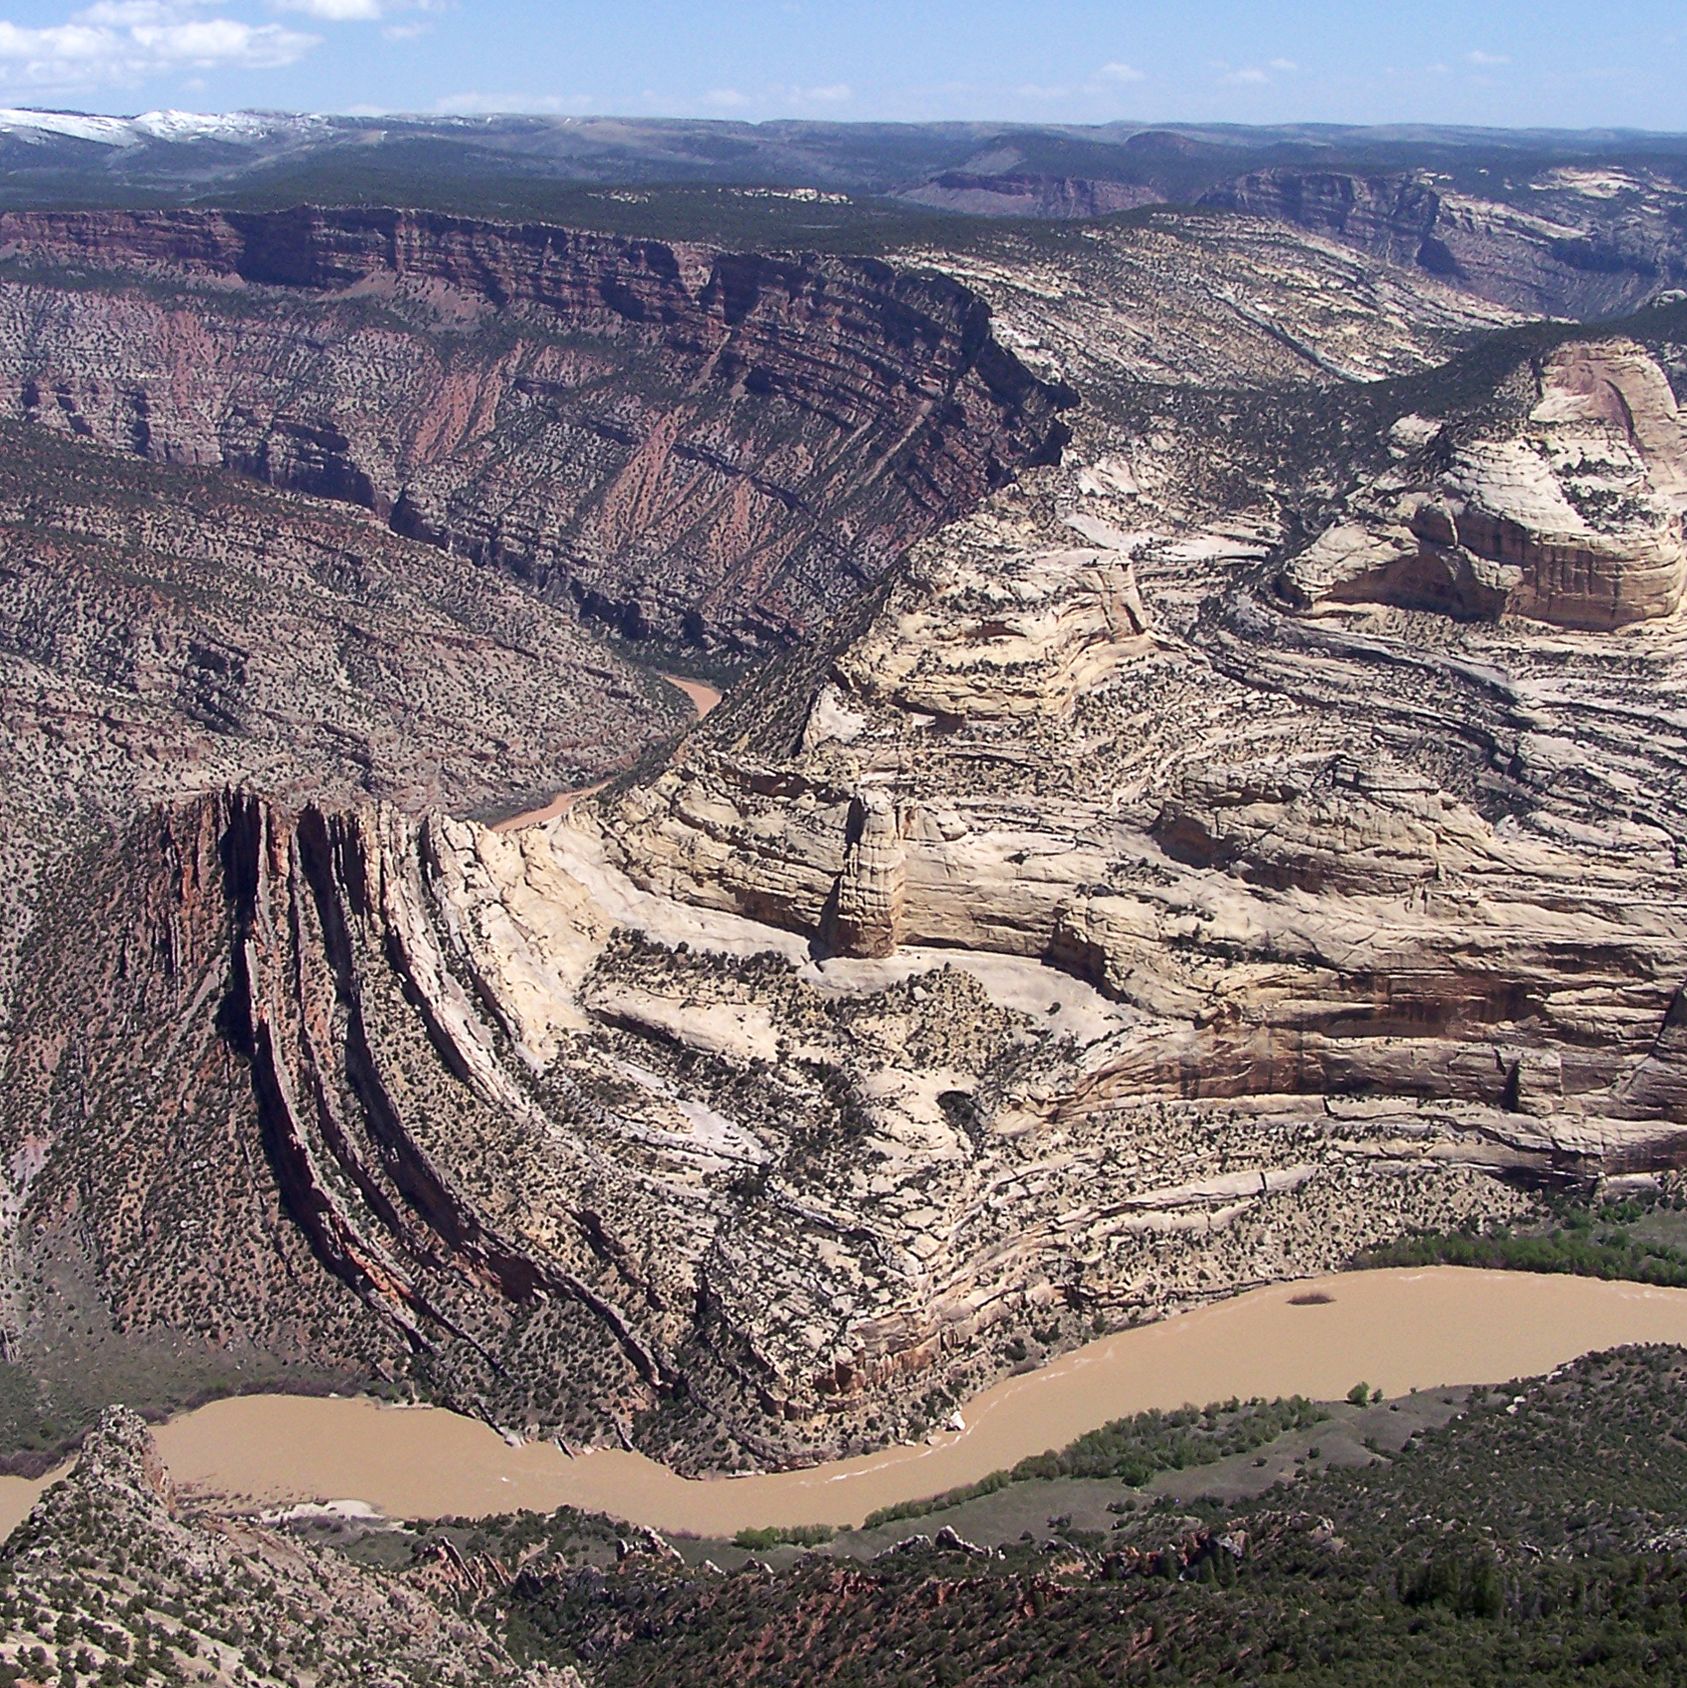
{"x":1571,"y":513}
{"x":1106,"y":910}
{"x":691,"y":444}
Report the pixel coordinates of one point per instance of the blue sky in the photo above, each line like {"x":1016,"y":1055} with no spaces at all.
{"x":1564,"y":63}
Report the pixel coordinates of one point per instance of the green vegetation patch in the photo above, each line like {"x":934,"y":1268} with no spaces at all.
{"x":1535,"y":1536}
{"x":1629,"y":1239}
{"x":1131,"y":1450}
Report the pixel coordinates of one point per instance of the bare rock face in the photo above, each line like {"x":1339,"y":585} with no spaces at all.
{"x":1586,"y":242}
{"x":988,"y":630}
{"x":1571,"y":515}
{"x":691,"y":444}
{"x":1023,"y":193}
{"x":1079,"y":929}
{"x":865,"y":915}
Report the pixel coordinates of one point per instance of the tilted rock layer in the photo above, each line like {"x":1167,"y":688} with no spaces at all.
{"x":1588,"y":241}
{"x":1085,"y":926}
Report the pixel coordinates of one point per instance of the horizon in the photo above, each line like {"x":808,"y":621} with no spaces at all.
{"x":1133,"y":125}
{"x":1504,"y":65}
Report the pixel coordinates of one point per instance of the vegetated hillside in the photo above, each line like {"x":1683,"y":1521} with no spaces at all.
{"x":68,"y":156}
{"x":1537,"y":1535}
{"x":1491,"y":1535}
{"x":1555,"y":222}
{"x":114,"y":1578}
{"x":700,"y":447}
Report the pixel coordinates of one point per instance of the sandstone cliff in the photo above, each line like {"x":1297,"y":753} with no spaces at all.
{"x":1582,"y":241}
{"x":1568,"y":511}
{"x":696,"y":445}
{"x":1079,"y":927}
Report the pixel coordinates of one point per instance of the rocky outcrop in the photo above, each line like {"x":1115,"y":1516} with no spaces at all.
{"x":986,"y":630}
{"x":691,"y":444}
{"x":1571,"y":513}
{"x":1018,"y":193}
{"x":1581,"y":242}
{"x":865,"y":914}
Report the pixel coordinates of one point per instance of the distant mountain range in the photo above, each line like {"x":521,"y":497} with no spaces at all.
{"x":46,"y":155}
{"x":1552,"y":223}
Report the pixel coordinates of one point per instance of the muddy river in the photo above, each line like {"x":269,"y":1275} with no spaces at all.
{"x":1397,"y":1330}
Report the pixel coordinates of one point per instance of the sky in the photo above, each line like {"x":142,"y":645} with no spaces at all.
{"x":1555,"y":63}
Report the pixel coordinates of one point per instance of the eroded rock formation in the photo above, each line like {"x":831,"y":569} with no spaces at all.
{"x":1083,"y":926}
{"x":692,"y":444}
{"x":1581,"y":240}
{"x":1569,"y":512}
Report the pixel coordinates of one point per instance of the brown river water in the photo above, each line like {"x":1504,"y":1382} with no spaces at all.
{"x":1397,"y":1330}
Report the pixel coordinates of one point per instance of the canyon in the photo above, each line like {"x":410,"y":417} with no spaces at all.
{"x":707,"y":447}
{"x":1197,"y":797}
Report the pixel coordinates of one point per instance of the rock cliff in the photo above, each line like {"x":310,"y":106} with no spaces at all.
{"x":1583,"y":241}
{"x":696,"y":445}
{"x":1567,"y":512}
{"x":1084,"y":924}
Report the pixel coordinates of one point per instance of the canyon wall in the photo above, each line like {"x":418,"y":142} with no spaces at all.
{"x":1088,"y":922}
{"x":1588,"y":243}
{"x":695,"y":445}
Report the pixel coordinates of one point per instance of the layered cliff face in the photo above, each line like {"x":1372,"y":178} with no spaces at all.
{"x":1579,"y":241}
{"x":1182,"y":300}
{"x":1083,"y":926}
{"x":1568,"y":511}
{"x":1021,"y":193}
{"x":170,"y":630}
{"x":695,"y":445}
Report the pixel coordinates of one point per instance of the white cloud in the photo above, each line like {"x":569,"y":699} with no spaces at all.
{"x":334,"y":11}
{"x":115,"y":42}
{"x":362,"y":11}
{"x":1116,"y":70}
{"x":222,"y":41}
{"x":1250,"y":76}
{"x":779,"y":96}
{"x":1478,"y":57}
{"x":122,"y":13}
{"x":1282,"y":64}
